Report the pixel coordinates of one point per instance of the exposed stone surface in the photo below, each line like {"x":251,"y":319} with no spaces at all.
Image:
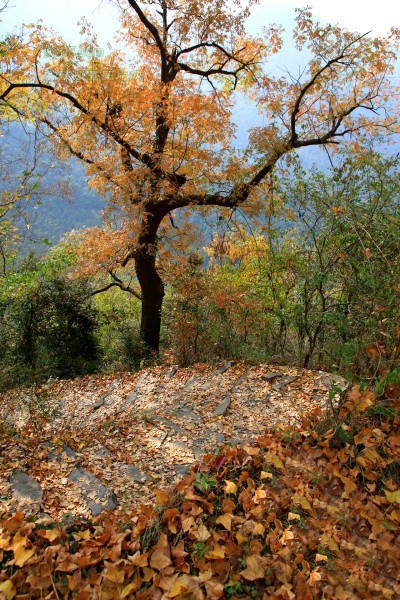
{"x":332,"y":379}
{"x":136,"y":475}
{"x":101,"y":451}
{"x":239,"y":381}
{"x":185,"y":412}
{"x":56,"y":451}
{"x":223,"y":368}
{"x":189,"y":383}
{"x":219,"y":371}
{"x":171,"y":372}
{"x":99,"y":403}
{"x":25,"y":487}
{"x":151,"y":427}
{"x":271,"y":375}
{"x":284,"y":382}
{"x":182,"y":469}
{"x":223,"y":407}
{"x":97,"y":495}
{"x":167,"y":422}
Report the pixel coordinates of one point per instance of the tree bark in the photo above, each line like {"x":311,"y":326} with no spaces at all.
{"x":152,"y":287}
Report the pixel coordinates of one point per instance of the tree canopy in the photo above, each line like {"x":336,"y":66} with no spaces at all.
{"x":152,"y":122}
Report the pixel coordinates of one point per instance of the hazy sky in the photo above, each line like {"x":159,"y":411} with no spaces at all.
{"x":358,"y":15}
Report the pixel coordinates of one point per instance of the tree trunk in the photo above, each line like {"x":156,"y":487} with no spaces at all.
{"x":152,"y":287}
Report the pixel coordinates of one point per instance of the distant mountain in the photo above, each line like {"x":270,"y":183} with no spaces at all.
{"x":62,"y":200}
{"x":65,"y":202}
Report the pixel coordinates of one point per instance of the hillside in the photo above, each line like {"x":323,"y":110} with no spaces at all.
{"x":277,"y":507}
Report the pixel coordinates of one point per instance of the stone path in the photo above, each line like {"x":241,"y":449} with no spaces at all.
{"x":112,"y":444}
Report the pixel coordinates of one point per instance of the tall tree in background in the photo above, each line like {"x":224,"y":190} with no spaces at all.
{"x":154,"y":126}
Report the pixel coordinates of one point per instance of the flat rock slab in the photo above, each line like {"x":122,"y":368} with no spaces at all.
{"x":101,"y":451}
{"x":239,"y":381}
{"x":285,"y":381}
{"x":56,"y":452}
{"x":97,"y":495}
{"x":25,"y":487}
{"x":223,"y":368}
{"x":210,"y":438}
{"x":99,"y":403}
{"x":271,"y":375}
{"x":183,"y":469}
{"x":171,"y":372}
{"x":136,"y":474}
{"x":220,"y":371}
{"x":132,"y":398}
{"x":189,"y":383}
{"x":223,"y":407}
{"x":332,"y":379}
{"x":159,"y":389}
{"x":185,"y":412}
{"x":166,"y":422}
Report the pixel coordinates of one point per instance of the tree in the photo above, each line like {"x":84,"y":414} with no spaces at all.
{"x":154,"y":126}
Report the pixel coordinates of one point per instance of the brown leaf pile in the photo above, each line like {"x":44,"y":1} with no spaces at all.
{"x":312,"y":512}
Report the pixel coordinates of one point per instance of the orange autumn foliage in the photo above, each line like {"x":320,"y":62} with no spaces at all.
{"x":153,"y":124}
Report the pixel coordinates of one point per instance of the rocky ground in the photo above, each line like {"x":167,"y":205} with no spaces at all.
{"x":110,"y":442}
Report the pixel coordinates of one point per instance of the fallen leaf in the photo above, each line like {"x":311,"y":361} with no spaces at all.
{"x":287,"y":536}
{"x":293,"y":517}
{"x":393,"y":496}
{"x":225,"y":520}
{"x":22,"y":555}
{"x":255,"y":568}
{"x":251,"y":450}
{"x":131,"y":587}
{"x":8,"y":589}
{"x":321,"y":558}
{"x":314,"y":577}
{"x":230,"y":487}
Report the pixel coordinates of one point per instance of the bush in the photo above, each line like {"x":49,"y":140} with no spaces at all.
{"x":47,"y":329}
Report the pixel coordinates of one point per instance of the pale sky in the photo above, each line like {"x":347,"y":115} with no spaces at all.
{"x":358,"y":15}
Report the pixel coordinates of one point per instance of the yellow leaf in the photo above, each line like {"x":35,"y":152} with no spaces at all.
{"x":177,"y":589}
{"x":8,"y":589}
{"x":240,"y":538}
{"x":216,"y":553}
{"x":214,"y":590}
{"x":258,"y":529}
{"x":314,"y":577}
{"x":140,"y":560}
{"x":326,"y":540}
{"x":159,"y":560}
{"x":160,"y":557}
{"x":259,"y":495}
{"x":53,"y":534}
{"x":393,"y":496}
{"x":128,"y":589}
{"x":202,"y":533}
{"x":287,"y":536}
{"x":5,"y":543}
{"x":230,"y":487}
{"x":225,"y":520}
{"x":321,"y":558}
{"x":276,"y":461}
{"x":293,"y":517}
{"x":266,"y":475}
{"x":161,"y":497}
{"x":22,"y":555}
{"x":304,"y":503}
